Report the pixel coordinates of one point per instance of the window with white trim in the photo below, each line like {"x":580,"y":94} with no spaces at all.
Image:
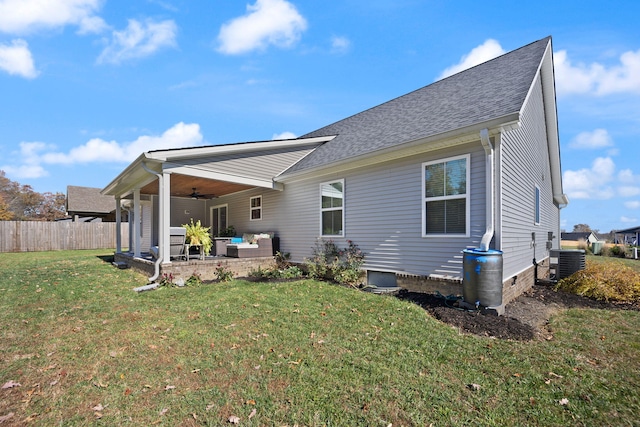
{"x":445,"y":190}
{"x":536,"y":202}
{"x":255,"y":208}
{"x":332,"y":208}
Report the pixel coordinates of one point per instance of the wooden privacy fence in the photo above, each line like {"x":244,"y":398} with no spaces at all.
{"x":32,"y":236}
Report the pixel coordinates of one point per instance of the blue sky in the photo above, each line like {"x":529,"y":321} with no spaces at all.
{"x":87,"y":85}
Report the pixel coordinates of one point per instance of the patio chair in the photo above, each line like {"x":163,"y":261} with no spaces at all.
{"x":177,"y":238}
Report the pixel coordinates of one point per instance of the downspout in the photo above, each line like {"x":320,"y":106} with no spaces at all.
{"x":160,"y":219}
{"x":489,"y":204}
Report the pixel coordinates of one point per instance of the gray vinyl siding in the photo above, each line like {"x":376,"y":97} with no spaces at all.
{"x":259,"y":165}
{"x":182,"y":210}
{"x":238,"y":211}
{"x":524,"y":165}
{"x":383,"y":215}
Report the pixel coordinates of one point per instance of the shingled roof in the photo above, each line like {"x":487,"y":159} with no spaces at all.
{"x":487,"y":92}
{"x":88,"y":201}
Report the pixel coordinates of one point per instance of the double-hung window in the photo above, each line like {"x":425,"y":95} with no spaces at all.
{"x":332,"y":208}
{"x":255,"y":208}
{"x":445,"y":208}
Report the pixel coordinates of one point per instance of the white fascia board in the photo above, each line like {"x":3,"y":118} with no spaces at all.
{"x":133,"y":176}
{"x":551,"y":118}
{"x":243,"y":147}
{"x":219,"y":176}
{"x":411,"y":148}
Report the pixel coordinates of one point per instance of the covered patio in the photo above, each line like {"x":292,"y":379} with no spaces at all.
{"x":163,"y":189}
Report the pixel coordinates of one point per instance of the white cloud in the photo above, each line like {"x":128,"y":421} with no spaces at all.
{"x":99,"y":150}
{"x":593,"y":183}
{"x":16,"y":59}
{"x":599,"y":138}
{"x":630,"y":183}
{"x":629,"y":191}
{"x":595,"y":78}
{"x":25,"y":171}
{"x":34,"y":154}
{"x":488,"y":50}
{"x":601,"y":181}
{"x":634,"y":204}
{"x":138,"y":40}
{"x":626,"y":176}
{"x":27,"y":16}
{"x":340,"y":44}
{"x":31,"y":167}
{"x":284,"y":135}
{"x":267,"y":22}
{"x":628,"y":220}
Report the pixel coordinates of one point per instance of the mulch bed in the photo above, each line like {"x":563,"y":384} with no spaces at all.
{"x":524,"y":319}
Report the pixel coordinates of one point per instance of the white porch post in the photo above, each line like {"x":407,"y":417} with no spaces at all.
{"x":136,"y":222}
{"x":118,"y":226}
{"x":164,"y":219}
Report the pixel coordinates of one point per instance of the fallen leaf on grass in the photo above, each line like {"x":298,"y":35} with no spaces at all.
{"x":98,"y":407}
{"x":164,"y":411}
{"x":30,"y":418}
{"x":4,"y":418}
{"x":253,"y":413}
{"x":23,"y":356}
{"x":234,"y":420}
{"x":54,"y":382}
{"x":11,"y":384}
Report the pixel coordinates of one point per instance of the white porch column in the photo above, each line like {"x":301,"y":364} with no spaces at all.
{"x":136,"y":222}
{"x":118,"y":226}
{"x":164,"y":215}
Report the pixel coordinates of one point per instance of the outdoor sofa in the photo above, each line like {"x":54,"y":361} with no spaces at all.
{"x":253,"y":246}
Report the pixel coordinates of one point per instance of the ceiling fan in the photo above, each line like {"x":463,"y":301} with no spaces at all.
{"x":197,"y":195}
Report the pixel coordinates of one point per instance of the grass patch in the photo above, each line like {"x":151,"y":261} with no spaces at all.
{"x":86,"y":349}
{"x":633,"y":264}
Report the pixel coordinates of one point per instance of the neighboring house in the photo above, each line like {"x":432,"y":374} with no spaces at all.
{"x":628,"y":236}
{"x":469,"y":161}
{"x":588,"y":237}
{"x":87,"y":204}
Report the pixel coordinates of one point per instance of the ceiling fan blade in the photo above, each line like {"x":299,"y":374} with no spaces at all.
{"x":196,"y":195}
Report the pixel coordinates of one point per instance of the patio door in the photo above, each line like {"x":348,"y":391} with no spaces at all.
{"x":218,"y":219}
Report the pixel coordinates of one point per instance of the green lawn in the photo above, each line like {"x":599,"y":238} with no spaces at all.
{"x":629,"y":262}
{"x":87,"y":350}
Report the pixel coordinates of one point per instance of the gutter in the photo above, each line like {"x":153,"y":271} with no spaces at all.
{"x":489,"y":204}
{"x":160,"y":221}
